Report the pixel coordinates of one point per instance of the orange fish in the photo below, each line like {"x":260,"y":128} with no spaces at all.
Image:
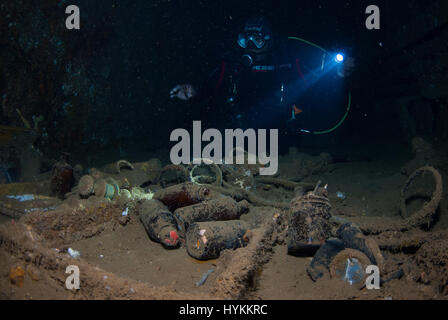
{"x":297,"y":110}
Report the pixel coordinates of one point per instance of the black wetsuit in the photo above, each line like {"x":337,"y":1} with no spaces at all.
{"x":263,"y":95}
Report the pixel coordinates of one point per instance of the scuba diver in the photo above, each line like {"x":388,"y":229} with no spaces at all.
{"x":271,"y":81}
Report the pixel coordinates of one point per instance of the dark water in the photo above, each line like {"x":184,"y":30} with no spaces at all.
{"x":105,"y":88}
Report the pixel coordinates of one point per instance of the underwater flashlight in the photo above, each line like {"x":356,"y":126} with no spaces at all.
{"x":339,"y":58}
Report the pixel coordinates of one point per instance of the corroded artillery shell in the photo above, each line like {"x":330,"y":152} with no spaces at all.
{"x":181,"y":195}
{"x":220,"y":209}
{"x":62,"y":179}
{"x":159,"y":223}
{"x":85,"y":186}
{"x":206,"y":240}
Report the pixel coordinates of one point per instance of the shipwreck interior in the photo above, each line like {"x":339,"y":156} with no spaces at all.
{"x":86,"y":177}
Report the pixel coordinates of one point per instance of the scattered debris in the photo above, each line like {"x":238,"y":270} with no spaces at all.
{"x":73,"y":253}
{"x":17,"y":275}
{"x":204,"y":278}
{"x":123,"y":164}
{"x":22,"y":198}
{"x":340,"y":195}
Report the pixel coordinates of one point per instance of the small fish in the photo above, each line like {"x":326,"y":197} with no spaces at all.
{"x":297,"y":110}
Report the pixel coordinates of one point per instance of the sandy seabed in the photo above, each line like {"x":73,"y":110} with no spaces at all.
{"x":119,"y":261}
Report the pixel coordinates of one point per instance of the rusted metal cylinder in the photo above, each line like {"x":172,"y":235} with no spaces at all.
{"x":220,"y":209}
{"x":159,"y":223}
{"x":323,"y":257}
{"x":353,"y":238}
{"x":86,"y":186}
{"x":206,"y":240}
{"x":173,"y":175}
{"x":309,"y":223}
{"x":62,"y":179}
{"x":181,"y":195}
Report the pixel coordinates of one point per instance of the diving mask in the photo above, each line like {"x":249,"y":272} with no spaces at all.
{"x":257,"y":38}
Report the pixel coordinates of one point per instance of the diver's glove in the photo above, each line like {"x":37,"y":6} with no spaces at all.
{"x":346,"y":69}
{"x":183,"y":92}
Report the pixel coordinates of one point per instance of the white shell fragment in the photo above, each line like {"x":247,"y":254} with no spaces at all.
{"x":73,"y":253}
